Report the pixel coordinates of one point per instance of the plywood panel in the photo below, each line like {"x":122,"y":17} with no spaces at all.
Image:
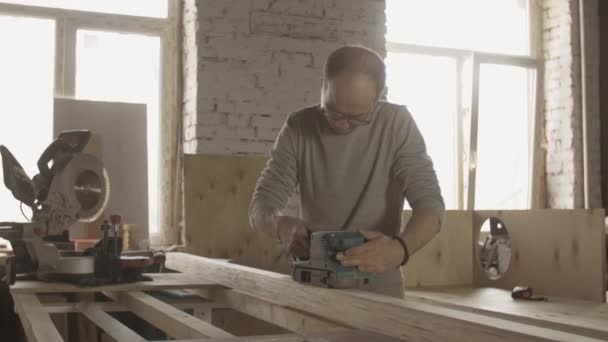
{"x":218,"y":190}
{"x":448,"y":258}
{"x":557,"y":252}
{"x":123,"y":133}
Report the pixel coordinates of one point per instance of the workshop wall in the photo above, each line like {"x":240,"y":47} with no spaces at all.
{"x":248,"y":63}
{"x":563,"y":103}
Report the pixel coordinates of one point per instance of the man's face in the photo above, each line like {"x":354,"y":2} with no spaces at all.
{"x":347,"y":101}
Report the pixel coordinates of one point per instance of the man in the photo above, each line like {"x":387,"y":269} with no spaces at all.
{"x":355,"y":160}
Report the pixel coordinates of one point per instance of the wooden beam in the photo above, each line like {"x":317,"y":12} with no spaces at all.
{"x":366,"y":311}
{"x":36,"y":321}
{"x":107,"y":323}
{"x":280,"y":316}
{"x":160,"y":281}
{"x":176,"y":323}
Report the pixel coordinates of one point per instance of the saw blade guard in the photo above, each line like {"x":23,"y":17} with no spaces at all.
{"x":79,"y":192}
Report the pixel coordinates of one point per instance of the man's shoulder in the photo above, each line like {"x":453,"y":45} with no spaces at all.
{"x":392,"y":112}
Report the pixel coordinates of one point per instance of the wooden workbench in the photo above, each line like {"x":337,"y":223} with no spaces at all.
{"x":307,"y":313}
{"x":34,"y":312}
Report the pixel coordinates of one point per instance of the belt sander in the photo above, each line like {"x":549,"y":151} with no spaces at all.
{"x":322,"y":269}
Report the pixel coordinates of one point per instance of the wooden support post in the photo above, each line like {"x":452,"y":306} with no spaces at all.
{"x":35,"y":320}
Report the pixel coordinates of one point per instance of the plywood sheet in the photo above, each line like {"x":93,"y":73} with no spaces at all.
{"x":122,"y":130}
{"x":557,"y":252}
{"x":218,"y":190}
{"x":448,"y":258}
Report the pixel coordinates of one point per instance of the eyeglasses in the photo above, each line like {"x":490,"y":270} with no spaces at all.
{"x":354,"y":120}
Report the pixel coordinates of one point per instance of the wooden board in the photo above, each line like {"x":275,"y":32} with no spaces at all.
{"x":581,"y":317}
{"x":122,"y":128}
{"x":218,"y":190}
{"x":448,"y":258}
{"x":367,"y":311}
{"x":159,"y":281}
{"x":557,"y":252}
{"x":35,"y":320}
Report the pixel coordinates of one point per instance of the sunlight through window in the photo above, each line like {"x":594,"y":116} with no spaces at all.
{"x":429,"y":84}
{"x":26,"y":97}
{"x":124,"y":68}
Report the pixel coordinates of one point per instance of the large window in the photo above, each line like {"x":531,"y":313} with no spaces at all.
{"x":26,"y":96}
{"x":145,"y":8}
{"x":131,"y":64}
{"x":464,"y":70}
{"x":61,"y":48}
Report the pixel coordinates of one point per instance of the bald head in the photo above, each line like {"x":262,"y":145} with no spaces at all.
{"x":356,"y":60}
{"x":353,"y":79}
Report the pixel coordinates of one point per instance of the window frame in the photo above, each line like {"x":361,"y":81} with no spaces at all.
{"x":467,"y":146}
{"x":68,"y":22}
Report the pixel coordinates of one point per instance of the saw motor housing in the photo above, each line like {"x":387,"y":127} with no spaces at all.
{"x":323,"y":269}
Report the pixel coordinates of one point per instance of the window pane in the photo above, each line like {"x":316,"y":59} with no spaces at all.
{"x":27,"y":66}
{"x":491,"y":26}
{"x":144,"y":8}
{"x":125,"y":68}
{"x":503,"y":152}
{"x":427,"y":86}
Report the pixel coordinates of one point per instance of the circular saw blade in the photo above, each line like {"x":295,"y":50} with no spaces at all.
{"x":92,"y":190}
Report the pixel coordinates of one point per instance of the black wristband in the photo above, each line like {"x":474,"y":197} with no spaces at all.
{"x":406,"y":253}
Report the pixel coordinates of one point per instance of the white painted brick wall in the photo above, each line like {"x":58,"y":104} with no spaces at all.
{"x":248,"y":63}
{"x":563,"y":105}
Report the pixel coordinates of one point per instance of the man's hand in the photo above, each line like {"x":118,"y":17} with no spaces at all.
{"x":294,"y":234}
{"x":379,"y":254}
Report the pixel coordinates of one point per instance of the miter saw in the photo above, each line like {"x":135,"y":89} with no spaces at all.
{"x":73,"y":188}
{"x":322,"y":269}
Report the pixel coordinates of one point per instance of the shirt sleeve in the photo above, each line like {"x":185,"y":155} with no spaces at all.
{"x":279,"y":178}
{"x":413,"y":167}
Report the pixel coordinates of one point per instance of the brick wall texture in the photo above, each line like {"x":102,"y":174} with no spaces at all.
{"x":563,"y":86}
{"x":248,"y":63}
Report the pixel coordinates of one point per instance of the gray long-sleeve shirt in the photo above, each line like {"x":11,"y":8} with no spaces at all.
{"x":353,"y":181}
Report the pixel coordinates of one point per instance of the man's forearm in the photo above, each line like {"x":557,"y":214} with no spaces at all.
{"x":264,"y":219}
{"x":421,"y":228}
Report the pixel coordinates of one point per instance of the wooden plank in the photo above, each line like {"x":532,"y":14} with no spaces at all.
{"x":217,"y":192}
{"x":176,"y":323}
{"x":35,"y":320}
{"x":107,"y":323}
{"x":280,"y":316}
{"x":557,"y":252}
{"x":367,"y":311}
{"x":448,"y":258}
{"x":159,"y":281}
{"x":580,"y":317}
